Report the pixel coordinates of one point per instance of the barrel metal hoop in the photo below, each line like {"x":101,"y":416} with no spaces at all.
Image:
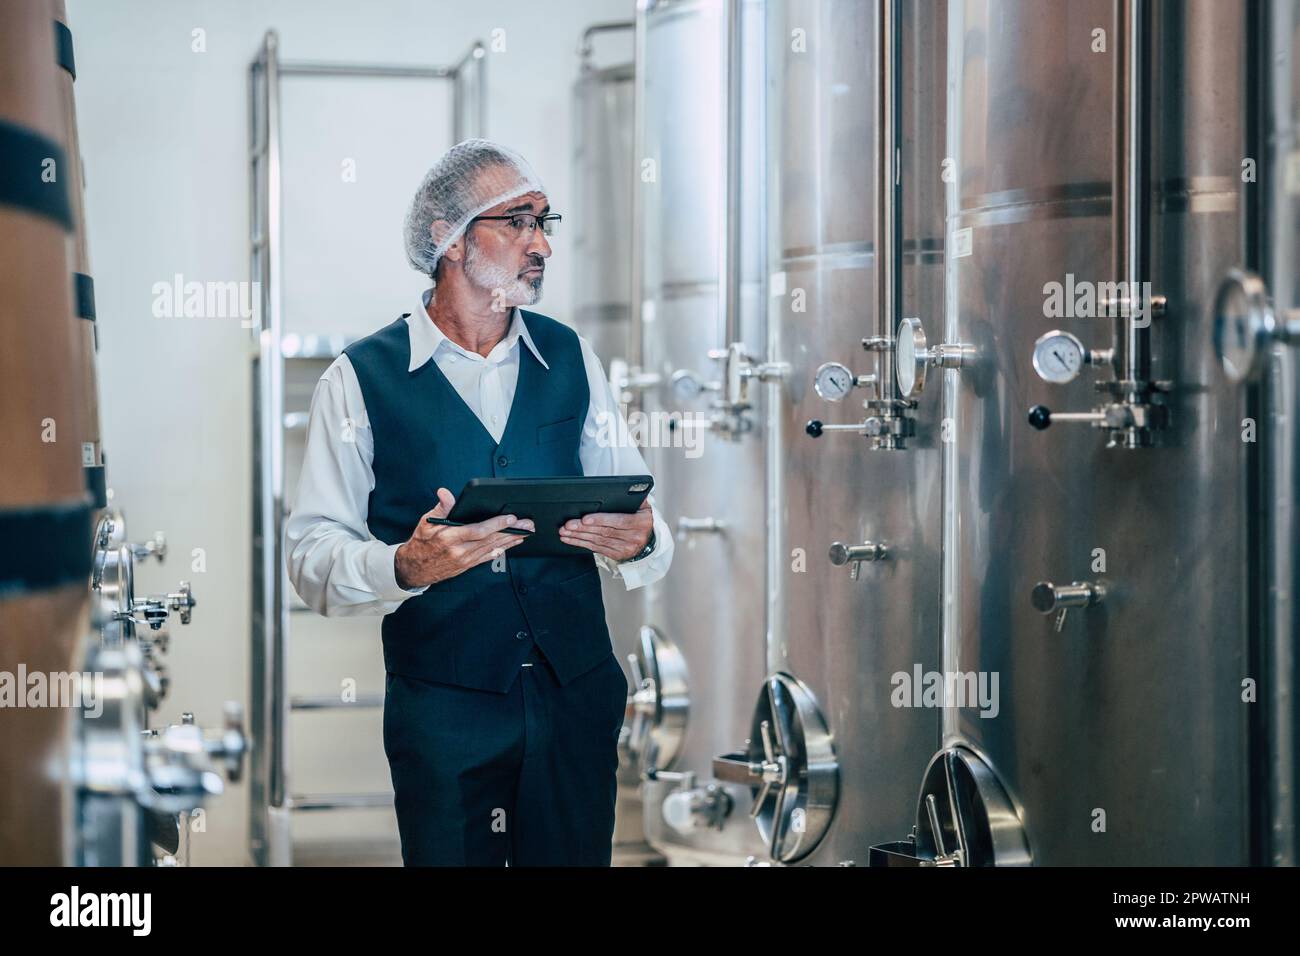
{"x":63,"y":48}
{"x":23,"y":157}
{"x":45,"y":546}
{"x":83,"y":286}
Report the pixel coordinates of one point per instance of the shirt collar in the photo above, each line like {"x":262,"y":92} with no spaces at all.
{"x":426,"y":338}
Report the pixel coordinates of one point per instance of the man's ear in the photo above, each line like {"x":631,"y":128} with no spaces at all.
{"x":439,"y":229}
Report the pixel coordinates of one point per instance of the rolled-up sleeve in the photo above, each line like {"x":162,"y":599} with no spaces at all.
{"x":335,"y":564}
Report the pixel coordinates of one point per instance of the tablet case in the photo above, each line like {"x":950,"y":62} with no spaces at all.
{"x":549,"y":502}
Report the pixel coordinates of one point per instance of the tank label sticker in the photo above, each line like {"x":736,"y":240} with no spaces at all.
{"x":963,"y":242}
{"x":87,"y":453}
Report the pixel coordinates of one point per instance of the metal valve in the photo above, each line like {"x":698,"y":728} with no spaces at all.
{"x":872,"y":427}
{"x":156,"y":609}
{"x":643,"y":703}
{"x":772,"y":771}
{"x":181,"y":757}
{"x":689,"y":526}
{"x":841,"y":554}
{"x":625,"y":379}
{"x":156,"y":548}
{"x":1128,"y":423}
{"x":741,"y":367}
{"x":696,"y":808}
{"x":1059,"y":598}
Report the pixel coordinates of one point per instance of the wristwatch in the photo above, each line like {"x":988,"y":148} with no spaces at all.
{"x":649,"y":546}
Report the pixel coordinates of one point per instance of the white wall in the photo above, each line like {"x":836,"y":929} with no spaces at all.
{"x":164,"y":138}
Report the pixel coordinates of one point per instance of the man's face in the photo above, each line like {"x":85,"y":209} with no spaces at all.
{"x":508,"y":258}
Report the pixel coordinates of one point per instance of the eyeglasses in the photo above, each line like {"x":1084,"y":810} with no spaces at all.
{"x":524,"y":223}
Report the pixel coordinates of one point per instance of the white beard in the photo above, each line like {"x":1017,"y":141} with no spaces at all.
{"x":505,"y":286}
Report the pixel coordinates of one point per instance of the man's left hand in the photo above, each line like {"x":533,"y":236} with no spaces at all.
{"x":616,"y":536}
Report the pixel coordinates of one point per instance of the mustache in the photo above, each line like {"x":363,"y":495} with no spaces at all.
{"x":537,"y":263}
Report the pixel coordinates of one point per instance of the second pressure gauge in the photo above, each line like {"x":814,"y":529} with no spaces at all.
{"x":833,"y":381}
{"x":1059,"y":357}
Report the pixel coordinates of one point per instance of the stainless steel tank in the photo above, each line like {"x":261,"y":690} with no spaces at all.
{"x":1257,"y":326}
{"x":703,"y":649}
{"x":1104,"y":586}
{"x":603,"y":171}
{"x":854,"y":556}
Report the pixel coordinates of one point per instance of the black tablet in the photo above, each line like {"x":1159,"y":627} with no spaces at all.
{"x":549,"y":502}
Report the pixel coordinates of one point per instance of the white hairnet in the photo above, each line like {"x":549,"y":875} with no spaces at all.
{"x":472,"y":176}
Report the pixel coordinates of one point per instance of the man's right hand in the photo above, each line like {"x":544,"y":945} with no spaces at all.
{"x":436,"y":552}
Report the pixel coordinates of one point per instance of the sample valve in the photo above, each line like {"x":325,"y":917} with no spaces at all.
{"x":855,"y":554}
{"x":1059,"y":598}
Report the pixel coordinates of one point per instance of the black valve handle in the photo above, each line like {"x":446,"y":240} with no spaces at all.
{"x":814,"y":428}
{"x":1040,"y":416}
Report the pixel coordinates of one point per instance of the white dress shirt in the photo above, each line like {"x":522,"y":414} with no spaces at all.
{"x":336,"y":565}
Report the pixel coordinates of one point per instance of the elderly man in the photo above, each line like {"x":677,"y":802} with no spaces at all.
{"x":503,"y":698}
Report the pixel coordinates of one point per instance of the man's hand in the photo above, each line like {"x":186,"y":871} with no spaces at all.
{"x":436,"y":552}
{"x":616,"y":536}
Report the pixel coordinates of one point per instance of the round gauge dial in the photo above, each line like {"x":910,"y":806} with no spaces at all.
{"x":1059,"y":357}
{"x":1243,"y":325}
{"x":685,"y":385}
{"x":834,"y":381}
{"x":910,"y":358}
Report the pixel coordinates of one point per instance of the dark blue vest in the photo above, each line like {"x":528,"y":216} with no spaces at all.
{"x":476,"y":629}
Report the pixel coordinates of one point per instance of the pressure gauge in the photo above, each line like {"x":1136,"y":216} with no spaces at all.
{"x":1244,"y":325}
{"x":911,"y":356}
{"x":1059,"y":357}
{"x":685,"y":385}
{"x":834,"y":381}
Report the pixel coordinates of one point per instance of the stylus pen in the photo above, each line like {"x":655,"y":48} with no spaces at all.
{"x":461,"y":524}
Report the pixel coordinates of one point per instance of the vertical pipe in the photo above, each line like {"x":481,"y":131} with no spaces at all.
{"x":775,"y":404}
{"x":1129,"y":193}
{"x":729,"y":222}
{"x":951,"y":574}
{"x":635,"y":333}
{"x":887,"y":192}
{"x":480,"y":68}
{"x":273,"y":435}
{"x":256,"y":695}
{"x":1277,"y":234}
{"x":458,"y":105}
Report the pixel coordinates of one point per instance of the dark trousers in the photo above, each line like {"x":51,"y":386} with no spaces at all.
{"x":524,"y":778}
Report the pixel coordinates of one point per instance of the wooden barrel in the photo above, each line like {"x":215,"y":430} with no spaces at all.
{"x":83,"y":286}
{"x":45,"y":512}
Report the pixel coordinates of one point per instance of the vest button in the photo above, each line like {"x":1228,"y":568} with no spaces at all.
{"x":502,"y":460}
{"x":521,"y":636}
{"x":523,"y":589}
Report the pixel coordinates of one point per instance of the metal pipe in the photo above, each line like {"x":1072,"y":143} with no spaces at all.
{"x":273,"y":414}
{"x":470,"y":120}
{"x":305,"y":68}
{"x":585,"y":48}
{"x":729,"y":233}
{"x":887,"y":246}
{"x":1129,"y":195}
{"x":635,"y":333}
{"x":1278,"y":229}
